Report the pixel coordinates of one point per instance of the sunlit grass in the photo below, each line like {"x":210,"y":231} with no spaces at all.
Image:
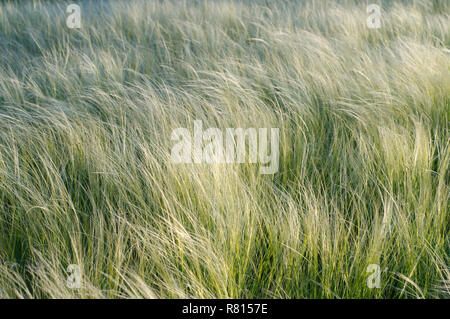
{"x":85,"y":171}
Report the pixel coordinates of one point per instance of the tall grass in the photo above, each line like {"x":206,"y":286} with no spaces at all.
{"x":85,"y":171}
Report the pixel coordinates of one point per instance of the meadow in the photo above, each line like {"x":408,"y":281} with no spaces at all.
{"x":86,"y":176}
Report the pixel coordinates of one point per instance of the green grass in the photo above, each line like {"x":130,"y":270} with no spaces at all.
{"x":85,"y":171}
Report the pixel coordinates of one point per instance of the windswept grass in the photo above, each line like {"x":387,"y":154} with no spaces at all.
{"x":85,"y":171}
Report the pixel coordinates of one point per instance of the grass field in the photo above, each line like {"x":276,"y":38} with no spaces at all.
{"x":86,"y":177}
